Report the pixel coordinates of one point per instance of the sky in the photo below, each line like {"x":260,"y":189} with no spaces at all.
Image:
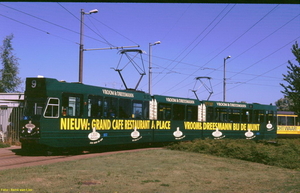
{"x":195,"y":40}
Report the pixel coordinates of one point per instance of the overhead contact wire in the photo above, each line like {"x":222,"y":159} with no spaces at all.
{"x":37,"y":28}
{"x":196,"y":39}
{"x":228,"y":45}
{"x":202,"y":39}
{"x":46,"y":22}
{"x":97,"y":33}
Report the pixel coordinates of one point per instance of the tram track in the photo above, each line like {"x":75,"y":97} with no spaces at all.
{"x":9,"y":159}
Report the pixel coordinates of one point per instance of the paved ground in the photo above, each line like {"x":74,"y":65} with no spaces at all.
{"x":10,"y":157}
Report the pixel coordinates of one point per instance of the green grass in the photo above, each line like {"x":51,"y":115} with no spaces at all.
{"x":151,"y":171}
{"x":2,"y":145}
{"x":200,"y":166}
{"x":282,"y":152}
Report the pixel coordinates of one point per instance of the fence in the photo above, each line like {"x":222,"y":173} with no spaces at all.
{"x":10,"y":124}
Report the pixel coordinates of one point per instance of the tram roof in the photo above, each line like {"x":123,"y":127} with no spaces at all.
{"x":240,"y":105}
{"x":286,"y":113}
{"x":51,"y":85}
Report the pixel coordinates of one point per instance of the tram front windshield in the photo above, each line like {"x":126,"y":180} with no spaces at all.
{"x":34,"y":108}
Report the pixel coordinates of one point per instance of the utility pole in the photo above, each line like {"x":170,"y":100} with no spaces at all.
{"x":224,"y":81}
{"x":81,"y":41}
{"x":150,"y":65}
{"x":81,"y":47}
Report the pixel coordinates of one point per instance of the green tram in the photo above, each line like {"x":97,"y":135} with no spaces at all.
{"x":68,"y":115}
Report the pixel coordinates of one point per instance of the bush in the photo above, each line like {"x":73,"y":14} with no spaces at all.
{"x":282,"y":152}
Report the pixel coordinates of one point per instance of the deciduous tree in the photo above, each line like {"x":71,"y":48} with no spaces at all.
{"x":292,"y":88}
{"x":283,"y":104}
{"x":9,"y":80}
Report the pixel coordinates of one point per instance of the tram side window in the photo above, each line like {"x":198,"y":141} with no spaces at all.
{"x":164,"y":111}
{"x":271,"y":116}
{"x":286,"y":120}
{"x":221,"y":115}
{"x":259,"y":116}
{"x":246,"y":116}
{"x":110,"y":107}
{"x":291,"y":121}
{"x":125,"y":108}
{"x":72,"y":105}
{"x":95,"y":106}
{"x":282,"y":120}
{"x":235,"y":115}
{"x":146,"y":110}
{"x":192,"y":113}
{"x":210,"y":114}
{"x":52,"y":108}
{"x":178,"y":112}
{"x":137,"y":110}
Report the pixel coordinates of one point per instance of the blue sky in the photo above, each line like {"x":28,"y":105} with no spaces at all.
{"x":195,"y":39}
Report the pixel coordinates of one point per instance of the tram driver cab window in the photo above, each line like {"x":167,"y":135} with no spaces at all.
{"x":52,"y":108}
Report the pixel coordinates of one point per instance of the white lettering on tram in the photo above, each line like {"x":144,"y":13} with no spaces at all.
{"x":232,"y":105}
{"x":175,"y":100}
{"x":117,"y":93}
{"x":107,"y":124}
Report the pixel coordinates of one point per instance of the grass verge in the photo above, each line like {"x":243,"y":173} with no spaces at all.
{"x":3,"y":145}
{"x":150,"y":171}
{"x":282,"y":152}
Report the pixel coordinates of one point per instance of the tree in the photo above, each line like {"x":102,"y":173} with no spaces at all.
{"x":292,"y":90}
{"x":9,"y":80}
{"x":283,"y":104}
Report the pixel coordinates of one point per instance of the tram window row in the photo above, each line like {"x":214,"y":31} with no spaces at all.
{"x":109,"y":107}
{"x":168,"y":111}
{"x":235,"y":115}
{"x":104,"y":107}
{"x":287,"y":118}
{"x":72,"y":105}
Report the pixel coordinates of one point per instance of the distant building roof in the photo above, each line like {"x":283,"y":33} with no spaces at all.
{"x":11,"y":99}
